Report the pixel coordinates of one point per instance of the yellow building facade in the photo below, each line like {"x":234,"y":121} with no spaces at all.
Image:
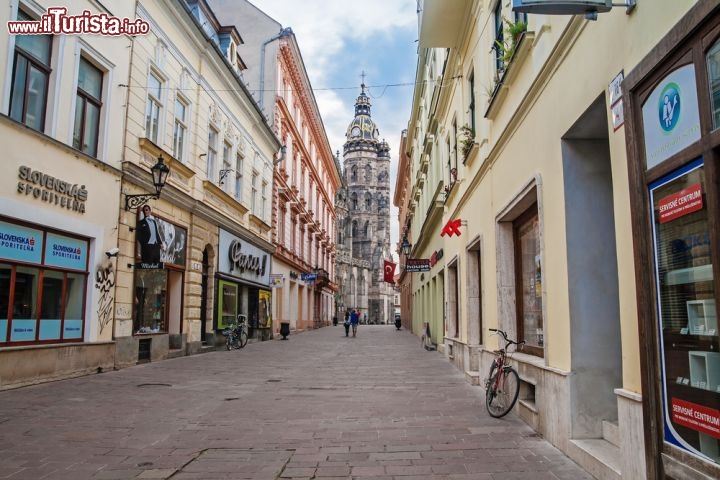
{"x":522,"y":179}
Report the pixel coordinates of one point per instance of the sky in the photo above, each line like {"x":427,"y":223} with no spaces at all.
{"x":338,"y":41}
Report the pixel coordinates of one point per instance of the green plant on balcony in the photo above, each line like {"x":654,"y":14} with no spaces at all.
{"x":466,"y":140}
{"x":505,"y":48}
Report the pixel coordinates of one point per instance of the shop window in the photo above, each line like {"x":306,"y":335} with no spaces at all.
{"x":713,"y":70}
{"x":526,"y":237}
{"x":87,"y":108}
{"x":30,"y":77}
{"x":150,"y":297}
{"x":688,"y":325}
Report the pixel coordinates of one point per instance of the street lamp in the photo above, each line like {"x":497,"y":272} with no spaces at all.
{"x":160,"y":173}
{"x":405,"y":246}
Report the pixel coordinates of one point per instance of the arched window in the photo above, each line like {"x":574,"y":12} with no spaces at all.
{"x":367,"y":229}
{"x":354,"y":228}
{"x":353,"y":173}
{"x":368,"y":173}
{"x":368,"y":201}
{"x":354,"y":201}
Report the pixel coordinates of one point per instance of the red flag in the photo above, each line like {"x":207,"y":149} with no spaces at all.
{"x":389,"y":273}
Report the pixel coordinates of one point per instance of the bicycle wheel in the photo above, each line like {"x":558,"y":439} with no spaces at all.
{"x":502,"y":393}
{"x":234,"y":342}
{"x":242,"y":339}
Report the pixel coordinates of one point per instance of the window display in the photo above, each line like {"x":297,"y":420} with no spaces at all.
{"x":529,"y":281}
{"x":686,"y":310}
{"x":150,"y":293}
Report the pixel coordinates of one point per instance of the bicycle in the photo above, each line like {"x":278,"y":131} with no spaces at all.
{"x":236,"y":335}
{"x":503,"y":383}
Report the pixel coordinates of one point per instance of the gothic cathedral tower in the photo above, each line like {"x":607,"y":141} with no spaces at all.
{"x":365,"y":230}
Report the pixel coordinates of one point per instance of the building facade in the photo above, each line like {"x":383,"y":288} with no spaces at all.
{"x":59,"y":195}
{"x":401,"y":200}
{"x":188,"y":105}
{"x":365,"y":234}
{"x":305,"y":177}
{"x":574,"y":211}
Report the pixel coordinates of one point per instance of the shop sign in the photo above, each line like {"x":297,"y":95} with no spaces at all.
{"x":277,"y":280}
{"x":49,"y":189}
{"x":293,"y":275}
{"x":697,"y":417}
{"x":671,"y":120}
{"x":308,"y":277}
{"x":435,"y":257}
{"x":417,"y":265}
{"x":685,"y":201}
{"x":20,"y":243}
{"x":242,"y":259}
{"x":149,"y":266}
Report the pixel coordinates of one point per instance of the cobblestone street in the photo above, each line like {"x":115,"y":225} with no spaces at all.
{"x":320,"y":405}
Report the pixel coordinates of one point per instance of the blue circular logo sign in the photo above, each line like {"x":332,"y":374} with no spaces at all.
{"x":669,"y":107}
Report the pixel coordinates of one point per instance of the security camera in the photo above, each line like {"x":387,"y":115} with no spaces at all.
{"x":113,"y":252}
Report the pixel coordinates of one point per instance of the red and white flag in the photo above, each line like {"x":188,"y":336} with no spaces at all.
{"x":389,"y":271}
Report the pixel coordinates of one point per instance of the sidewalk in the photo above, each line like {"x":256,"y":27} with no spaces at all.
{"x":319,"y":405}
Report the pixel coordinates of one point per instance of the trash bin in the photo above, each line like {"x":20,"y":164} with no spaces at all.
{"x":284,"y":330}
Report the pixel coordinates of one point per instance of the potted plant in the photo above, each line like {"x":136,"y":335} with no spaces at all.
{"x":466,"y":138}
{"x":514,"y":32}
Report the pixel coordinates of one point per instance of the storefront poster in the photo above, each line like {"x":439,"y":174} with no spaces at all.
{"x":66,"y":252}
{"x":160,"y":241}
{"x":264,"y":302}
{"x":227,"y":304}
{"x":687,"y":322}
{"x":20,"y":243}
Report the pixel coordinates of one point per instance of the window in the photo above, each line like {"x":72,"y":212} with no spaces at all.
{"x":368,"y":201}
{"x":354,"y":201}
{"x":238,"y":177}
{"x":42,"y":303}
{"x":154,"y":105}
{"x":264,"y":200}
{"x":471,"y":105}
{"x":87,"y":108}
{"x":211,"y":166}
{"x":281,"y":226}
{"x":528,"y":277}
{"x":180,"y":128}
{"x":30,"y":78}
{"x":226,"y":166}
{"x":150,"y":299}
{"x":253,"y":197}
{"x":499,"y":45}
{"x":713,"y":70}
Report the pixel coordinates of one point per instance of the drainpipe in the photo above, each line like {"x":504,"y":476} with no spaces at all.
{"x":283,"y":33}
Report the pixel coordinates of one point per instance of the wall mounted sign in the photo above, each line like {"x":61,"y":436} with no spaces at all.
{"x":436,"y":256}
{"x":671,"y":120}
{"x":451,"y":228}
{"x":417,"y":265}
{"x":242,"y":259}
{"x":277,"y":280}
{"x":308,"y":277}
{"x":49,"y":189}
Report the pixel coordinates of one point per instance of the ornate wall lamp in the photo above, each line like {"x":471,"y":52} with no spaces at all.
{"x":160,"y":173}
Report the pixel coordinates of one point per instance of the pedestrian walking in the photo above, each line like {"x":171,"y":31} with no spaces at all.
{"x":346,"y":324}
{"x":354,"y":319}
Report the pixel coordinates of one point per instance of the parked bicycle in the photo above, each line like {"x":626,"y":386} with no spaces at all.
{"x":236,"y":335}
{"x":503,"y":383}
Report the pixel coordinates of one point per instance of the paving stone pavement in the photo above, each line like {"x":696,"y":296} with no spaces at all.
{"x":317,"y":406}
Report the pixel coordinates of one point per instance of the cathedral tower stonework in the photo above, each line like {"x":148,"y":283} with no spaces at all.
{"x":365,"y":227}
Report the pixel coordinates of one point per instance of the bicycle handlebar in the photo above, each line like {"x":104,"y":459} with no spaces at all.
{"x":505,"y":337}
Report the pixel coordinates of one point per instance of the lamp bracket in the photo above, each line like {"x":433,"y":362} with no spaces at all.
{"x":224,"y":173}
{"x":137,"y":201}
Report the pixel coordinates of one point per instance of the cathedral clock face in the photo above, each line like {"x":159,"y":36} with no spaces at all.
{"x":355,"y":132}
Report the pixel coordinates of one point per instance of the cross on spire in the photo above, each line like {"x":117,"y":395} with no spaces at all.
{"x":362,"y":85}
